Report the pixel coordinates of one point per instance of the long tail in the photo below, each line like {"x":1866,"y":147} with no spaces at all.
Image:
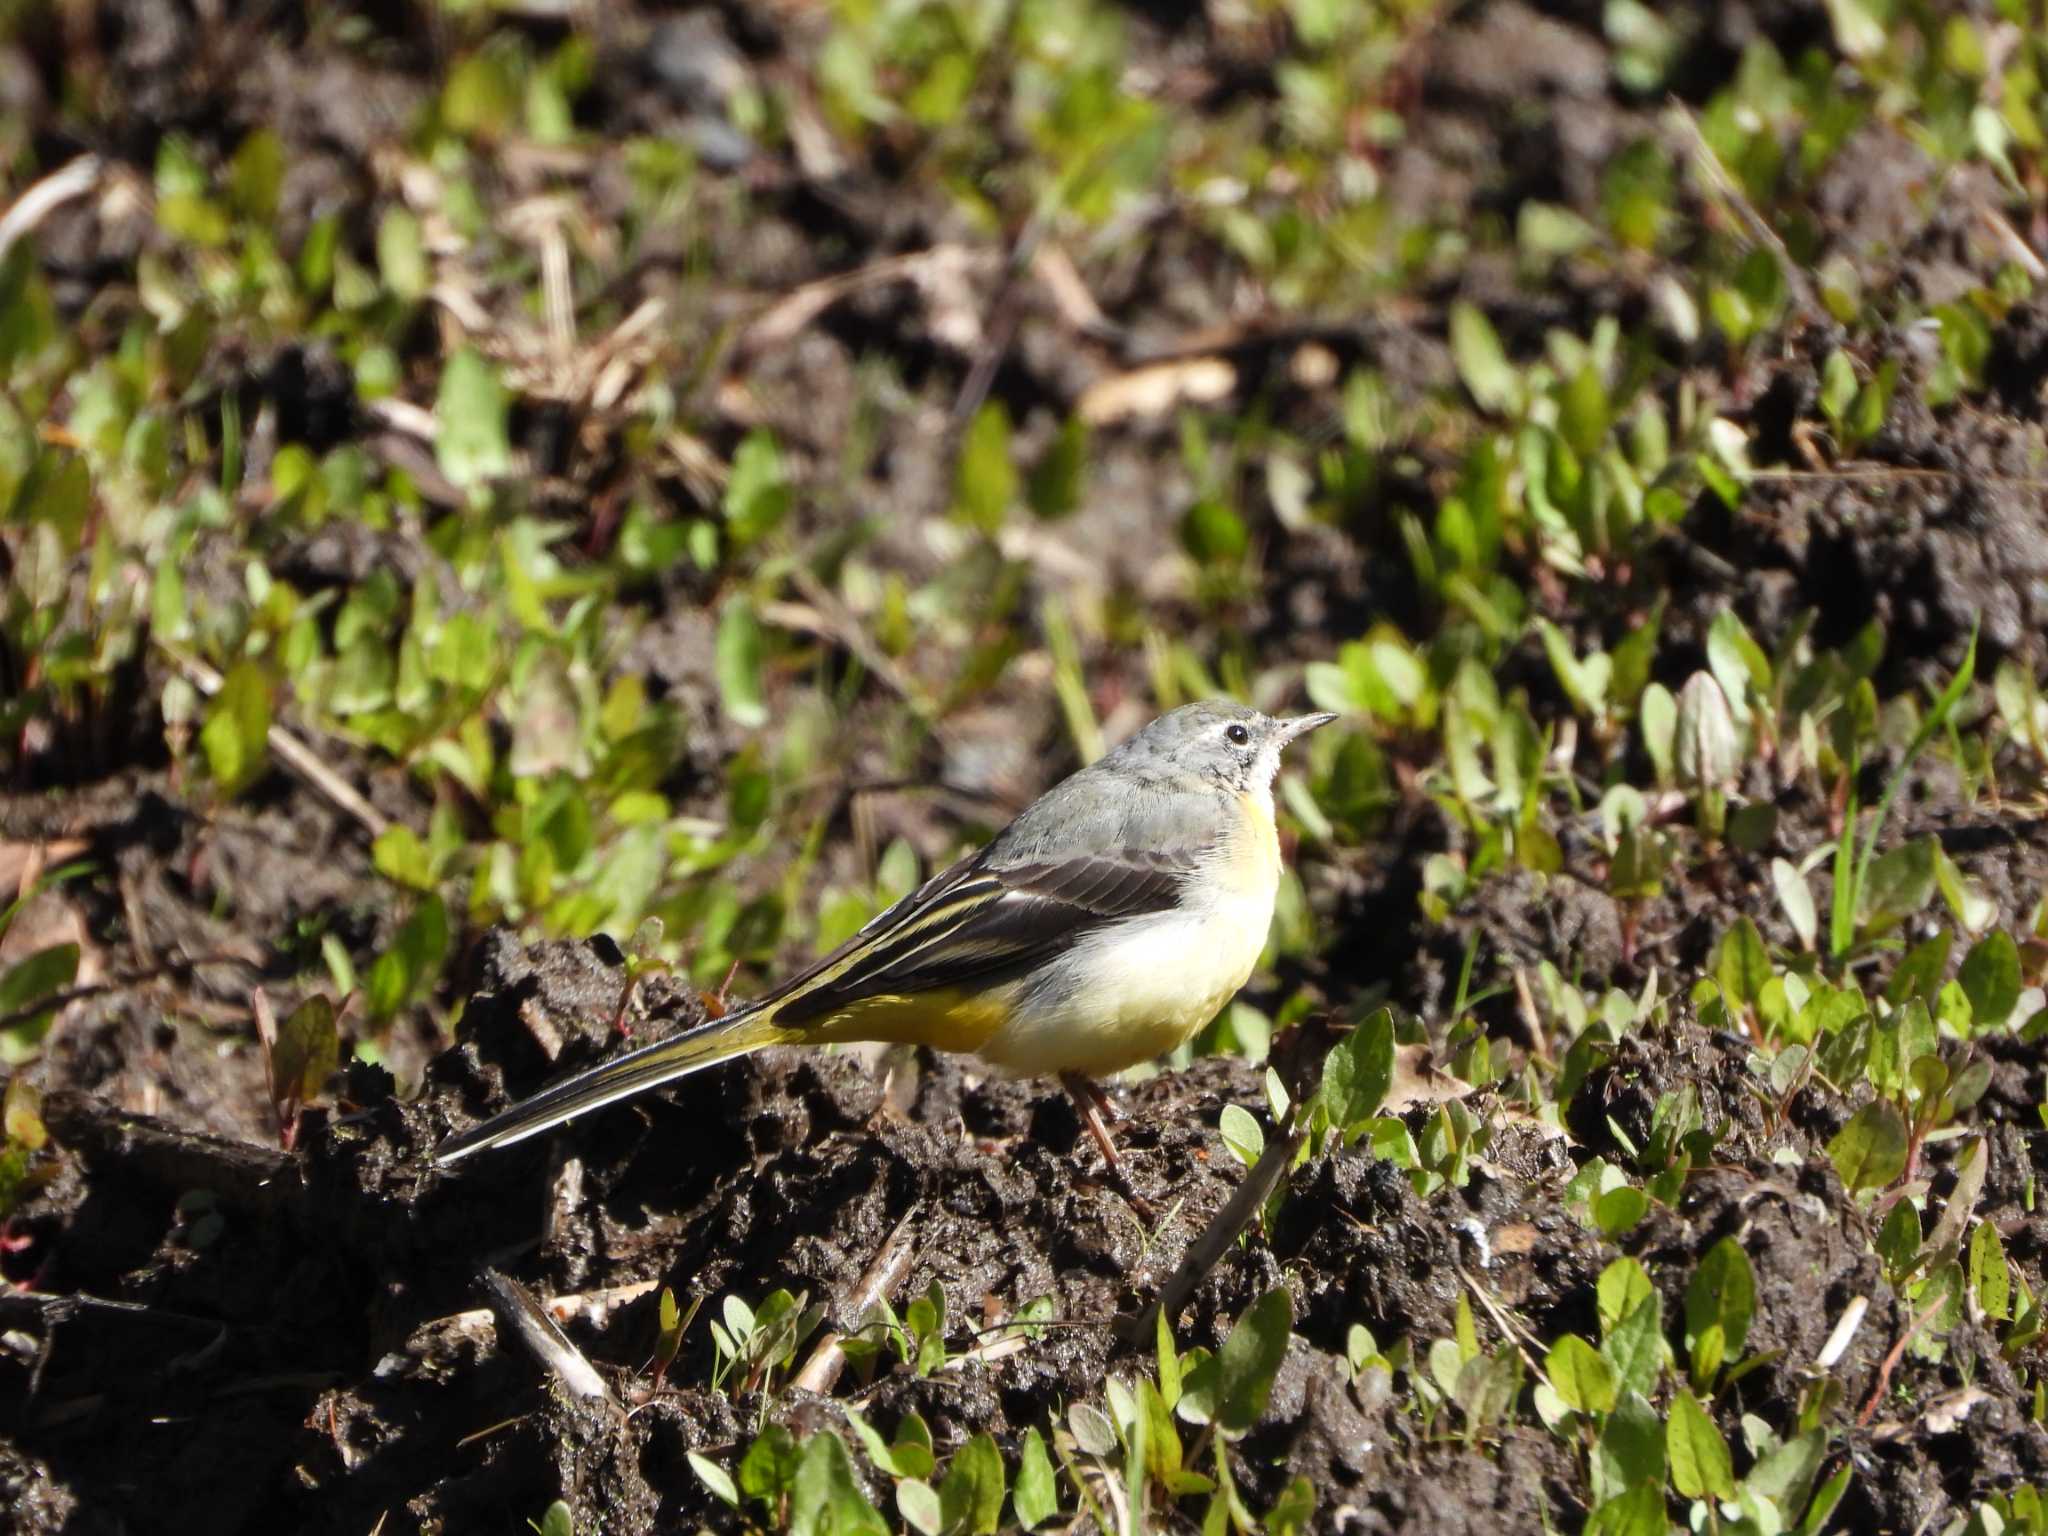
{"x":663,"y":1061}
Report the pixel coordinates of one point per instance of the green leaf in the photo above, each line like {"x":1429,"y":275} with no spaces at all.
{"x":1700,"y":1466}
{"x":1162,"y":1440}
{"x":1294,"y":1511}
{"x":1723,"y":1293}
{"x":1742,"y":965}
{"x":1630,"y":1451}
{"x":21,"y":1116}
{"x":918,"y":1502}
{"x":1785,"y":1473}
{"x":1241,"y":1133}
{"x":716,"y":1478}
{"x":1624,"y":1285}
{"x":1168,"y":1358}
{"x":558,"y":1520}
{"x":1706,"y":746}
{"x":482,"y":90}
{"x":1936,"y":720}
{"x":1091,"y":1428}
{"x":1990,"y":978}
{"x":1709,"y":1349}
{"x":1482,"y":362}
{"x":307,"y":1051}
{"x":236,"y":736}
{"x":1657,"y":717}
{"x":1056,"y":480}
{"x":825,"y":1497}
{"x":1487,"y":1386}
{"x":402,"y":254}
{"x":738,"y":661}
{"x":912,"y":1452}
{"x":1859,"y":30}
{"x":1838,"y":385}
{"x":971,"y":1497}
{"x":27,"y":316}
{"x":986,"y":485}
{"x":40,"y":974}
{"x":1990,"y":1279}
{"x":1584,"y":682}
{"x":471,"y":410}
{"x":758,"y":494}
{"x":1580,"y":1376}
{"x":1738,"y":663}
{"x":1752,"y":827}
{"x":1636,"y":1348}
{"x":1870,"y":1151}
{"x":1898,"y":1241}
{"x":1796,"y":897}
{"x":1359,"y":1071}
{"x":1214,"y":534}
{"x":1898,"y":885}
{"x":1249,"y":1360}
{"x":1824,"y":1502}
{"x":768,"y":1469}
{"x":256,"y":174}
{"x":399,"y":855}
{"x":1638,"y":1512}
{"x":412,"y":962}
{"x":878,"y":1449}
{"x":1618,"y":1210}
{"x":1035,"y":1499}
{"x":1636,"y":872}
{"x":1919,"y":973}
{"x":1583,"y":410}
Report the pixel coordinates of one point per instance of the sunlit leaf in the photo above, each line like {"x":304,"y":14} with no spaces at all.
{"x":1580,"y":1376}
{"x":1700,"y":1464}
{"x":740,"y":649}
{"x":470,"y":414}
{"x":1870,"y":1151}
{"x":236,"y":736}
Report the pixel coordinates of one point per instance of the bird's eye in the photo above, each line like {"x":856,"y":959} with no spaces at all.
{"x":1238,"y":735}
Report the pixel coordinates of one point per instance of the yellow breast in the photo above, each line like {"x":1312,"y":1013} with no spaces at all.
{"x":1257,"y":859}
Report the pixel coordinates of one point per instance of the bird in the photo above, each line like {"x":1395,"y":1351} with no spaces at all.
{"x":1104,"y":926}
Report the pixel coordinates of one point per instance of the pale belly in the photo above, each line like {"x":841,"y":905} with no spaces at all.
{"x":1133,"y":992}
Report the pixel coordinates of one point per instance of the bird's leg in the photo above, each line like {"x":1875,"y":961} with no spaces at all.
{"x":1092,"y":1104}
{"x":1105,"y":1106}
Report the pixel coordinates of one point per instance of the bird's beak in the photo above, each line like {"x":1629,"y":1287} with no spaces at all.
{"x":1301,"y":725}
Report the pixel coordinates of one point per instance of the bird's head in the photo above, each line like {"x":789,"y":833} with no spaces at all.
{"x":1226,"y":743}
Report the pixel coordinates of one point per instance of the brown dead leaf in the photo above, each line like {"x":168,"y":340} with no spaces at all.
{"x":1419,"y":1080}
{"x":1514,"y":1237}
{"x":1946,"y":1413}
{"x":22,"y":864}
{"x":940,"y":275}
{"x":1157,"y":388}
{"x":1055,"y":269}
{"x":44,"y":921}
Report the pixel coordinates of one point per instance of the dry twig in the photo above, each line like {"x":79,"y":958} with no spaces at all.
{"x":295,"y":754}
{"x":881,"y":1279}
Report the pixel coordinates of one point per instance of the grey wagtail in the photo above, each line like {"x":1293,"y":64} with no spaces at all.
{"x":1101,"y":928}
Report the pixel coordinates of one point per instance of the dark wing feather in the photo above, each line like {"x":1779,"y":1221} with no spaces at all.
{"x":977,"y":922}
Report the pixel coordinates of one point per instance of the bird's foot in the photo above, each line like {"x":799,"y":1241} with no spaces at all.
{"x":1098,"y":1115}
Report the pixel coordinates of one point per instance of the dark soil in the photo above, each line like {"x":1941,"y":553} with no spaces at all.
{"x":254,"y":1340}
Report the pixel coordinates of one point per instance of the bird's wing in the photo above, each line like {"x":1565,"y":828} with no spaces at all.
{"x":981,"y":919}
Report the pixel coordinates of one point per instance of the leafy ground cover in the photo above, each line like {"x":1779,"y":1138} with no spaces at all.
{"x":513,"y":519}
